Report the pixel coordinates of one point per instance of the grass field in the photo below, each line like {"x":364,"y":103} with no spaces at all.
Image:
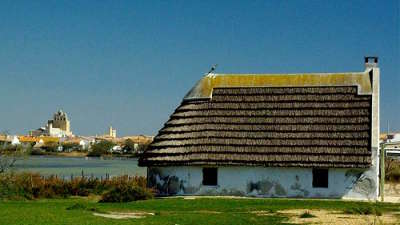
{"x":171,"y":210}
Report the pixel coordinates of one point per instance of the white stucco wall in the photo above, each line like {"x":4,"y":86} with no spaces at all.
{"x":265,"y":182}
{"x":375,"y":131}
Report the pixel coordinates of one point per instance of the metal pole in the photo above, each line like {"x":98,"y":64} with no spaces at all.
{"x":382,"y":164}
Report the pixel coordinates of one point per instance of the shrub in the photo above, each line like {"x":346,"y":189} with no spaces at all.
{"x":37,"y":151}
{"x":129,"y":146}
{"x":9,"y":155}
{"x":365,"y":210}
{"x":32,"y":185}
{"x":77,"y":206}
{"x":101,"y":148}
{"x":70,"y":146}
{"x":307,"y":215}
{"x":126,"y":193}
{"x":392,"y":170}
{"x":50,"y":146}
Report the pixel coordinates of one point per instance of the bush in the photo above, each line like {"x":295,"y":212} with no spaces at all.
{"x":307,"y":215}
{"x":50,"y":146}
{"x":70,"y":146}
{"x":365,"y":210}
{"x":37,"y":151}
{"x":77,"y":206}
{"x":101,"y":148}
{"x":392,"y":170}
{"x":129,"y":146}
{"x":32,"y":185}
{"x":127,"y":194}
{"x":11,"y":154}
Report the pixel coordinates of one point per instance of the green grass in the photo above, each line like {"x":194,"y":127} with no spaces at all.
{"x":168,"y":211}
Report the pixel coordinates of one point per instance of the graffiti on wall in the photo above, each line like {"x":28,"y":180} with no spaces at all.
{"x":266,"y":187}
{"x":361,"y":183}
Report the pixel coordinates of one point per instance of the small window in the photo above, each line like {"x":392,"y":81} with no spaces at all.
{"x":210,"y":176}
{"x":320,"y":178}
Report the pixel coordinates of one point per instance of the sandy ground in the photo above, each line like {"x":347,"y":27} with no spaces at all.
{"x":331,"y":217}
{"x":323,"y":217}
{"x":392,"y":192}
{"x":124,"y":215}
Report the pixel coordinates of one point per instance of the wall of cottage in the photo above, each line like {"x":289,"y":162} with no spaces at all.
{"x":265,"y":182}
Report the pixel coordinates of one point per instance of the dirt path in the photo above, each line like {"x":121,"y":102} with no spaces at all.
{"x":392,"y":192}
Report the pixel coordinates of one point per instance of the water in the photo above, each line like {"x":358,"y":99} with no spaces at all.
{"x":67,"y":166}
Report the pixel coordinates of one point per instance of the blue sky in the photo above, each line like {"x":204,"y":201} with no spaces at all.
{"x":129,"y":63}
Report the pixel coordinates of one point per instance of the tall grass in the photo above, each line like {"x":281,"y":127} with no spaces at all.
{"x":33,"y":185}
{"x":392,"y":170}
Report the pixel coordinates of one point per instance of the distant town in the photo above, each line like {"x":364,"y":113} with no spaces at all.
{"x":57,"y":138}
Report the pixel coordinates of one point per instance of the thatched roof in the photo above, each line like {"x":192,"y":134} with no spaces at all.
{"x":311,"y":123}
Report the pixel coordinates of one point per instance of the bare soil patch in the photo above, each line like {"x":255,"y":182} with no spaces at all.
{"x":326,"y":217}
{"x":124,"y":215}
{"x":392,"y":192}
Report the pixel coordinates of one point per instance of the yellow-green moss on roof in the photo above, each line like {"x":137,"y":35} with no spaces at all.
{"x":204,"y":88}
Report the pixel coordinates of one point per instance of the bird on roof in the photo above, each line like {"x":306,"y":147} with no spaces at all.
{"x":213,"y":67}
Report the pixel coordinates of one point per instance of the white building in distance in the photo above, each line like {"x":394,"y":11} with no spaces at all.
{"x":59,"y":126}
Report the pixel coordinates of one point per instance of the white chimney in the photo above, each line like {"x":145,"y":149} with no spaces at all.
{"x":371,"y":62}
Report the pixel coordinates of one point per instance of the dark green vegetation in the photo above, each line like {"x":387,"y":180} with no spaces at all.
{"x":50,"y":147}
{"x":307,"y":214}
{"x":34,"y":186}
{"x":392,"y":170}
{"x":126,"y":193}
{"x":168,"y":211}
{"x":101,"y":148}
{"x":364,"y":210}
{"x":69,"y":146}
{"x":9,"y":156}
{"x":133,"y":148}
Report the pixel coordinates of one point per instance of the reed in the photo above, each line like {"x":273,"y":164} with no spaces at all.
{"x":268,"y":126}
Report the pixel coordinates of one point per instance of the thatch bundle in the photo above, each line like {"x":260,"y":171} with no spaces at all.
{"x":260,"y":134}
{"x":205,"y":105}
{"x":284,"y":90}
{"x":268,"y":126}
{"x":223,"y":149}
{"x":261,"y":142}
{"x":268,"y":120}
{"x":263,"y":113}
{"x":262,"y":127}
{"x":289,"y":98}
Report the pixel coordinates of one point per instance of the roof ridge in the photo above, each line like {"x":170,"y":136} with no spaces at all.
{"x":204,"y":87}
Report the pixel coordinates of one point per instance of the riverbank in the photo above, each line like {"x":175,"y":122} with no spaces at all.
{"x":196,"y":211}
{"x":71,"y":154}
{"x":83,"y":154}
{"x":67,"y":166}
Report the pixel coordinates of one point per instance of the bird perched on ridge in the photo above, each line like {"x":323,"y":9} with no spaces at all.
{"x":213,"y":67}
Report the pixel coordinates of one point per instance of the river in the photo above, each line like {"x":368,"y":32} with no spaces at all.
{"x":91,"y":166}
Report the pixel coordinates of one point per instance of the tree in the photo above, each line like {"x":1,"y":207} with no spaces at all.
{"x":101,"y":148}
{"x":129,"y":146}
{"x":50,"y":146}
{"x":392,"y":169}
{"x":9,"y":155}
{"x":70,"y":146}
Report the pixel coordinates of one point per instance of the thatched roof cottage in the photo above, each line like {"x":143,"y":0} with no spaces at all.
{"x":275,"y":135}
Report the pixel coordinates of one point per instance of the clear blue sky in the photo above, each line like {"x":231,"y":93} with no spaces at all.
{"x":129,"y":63}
